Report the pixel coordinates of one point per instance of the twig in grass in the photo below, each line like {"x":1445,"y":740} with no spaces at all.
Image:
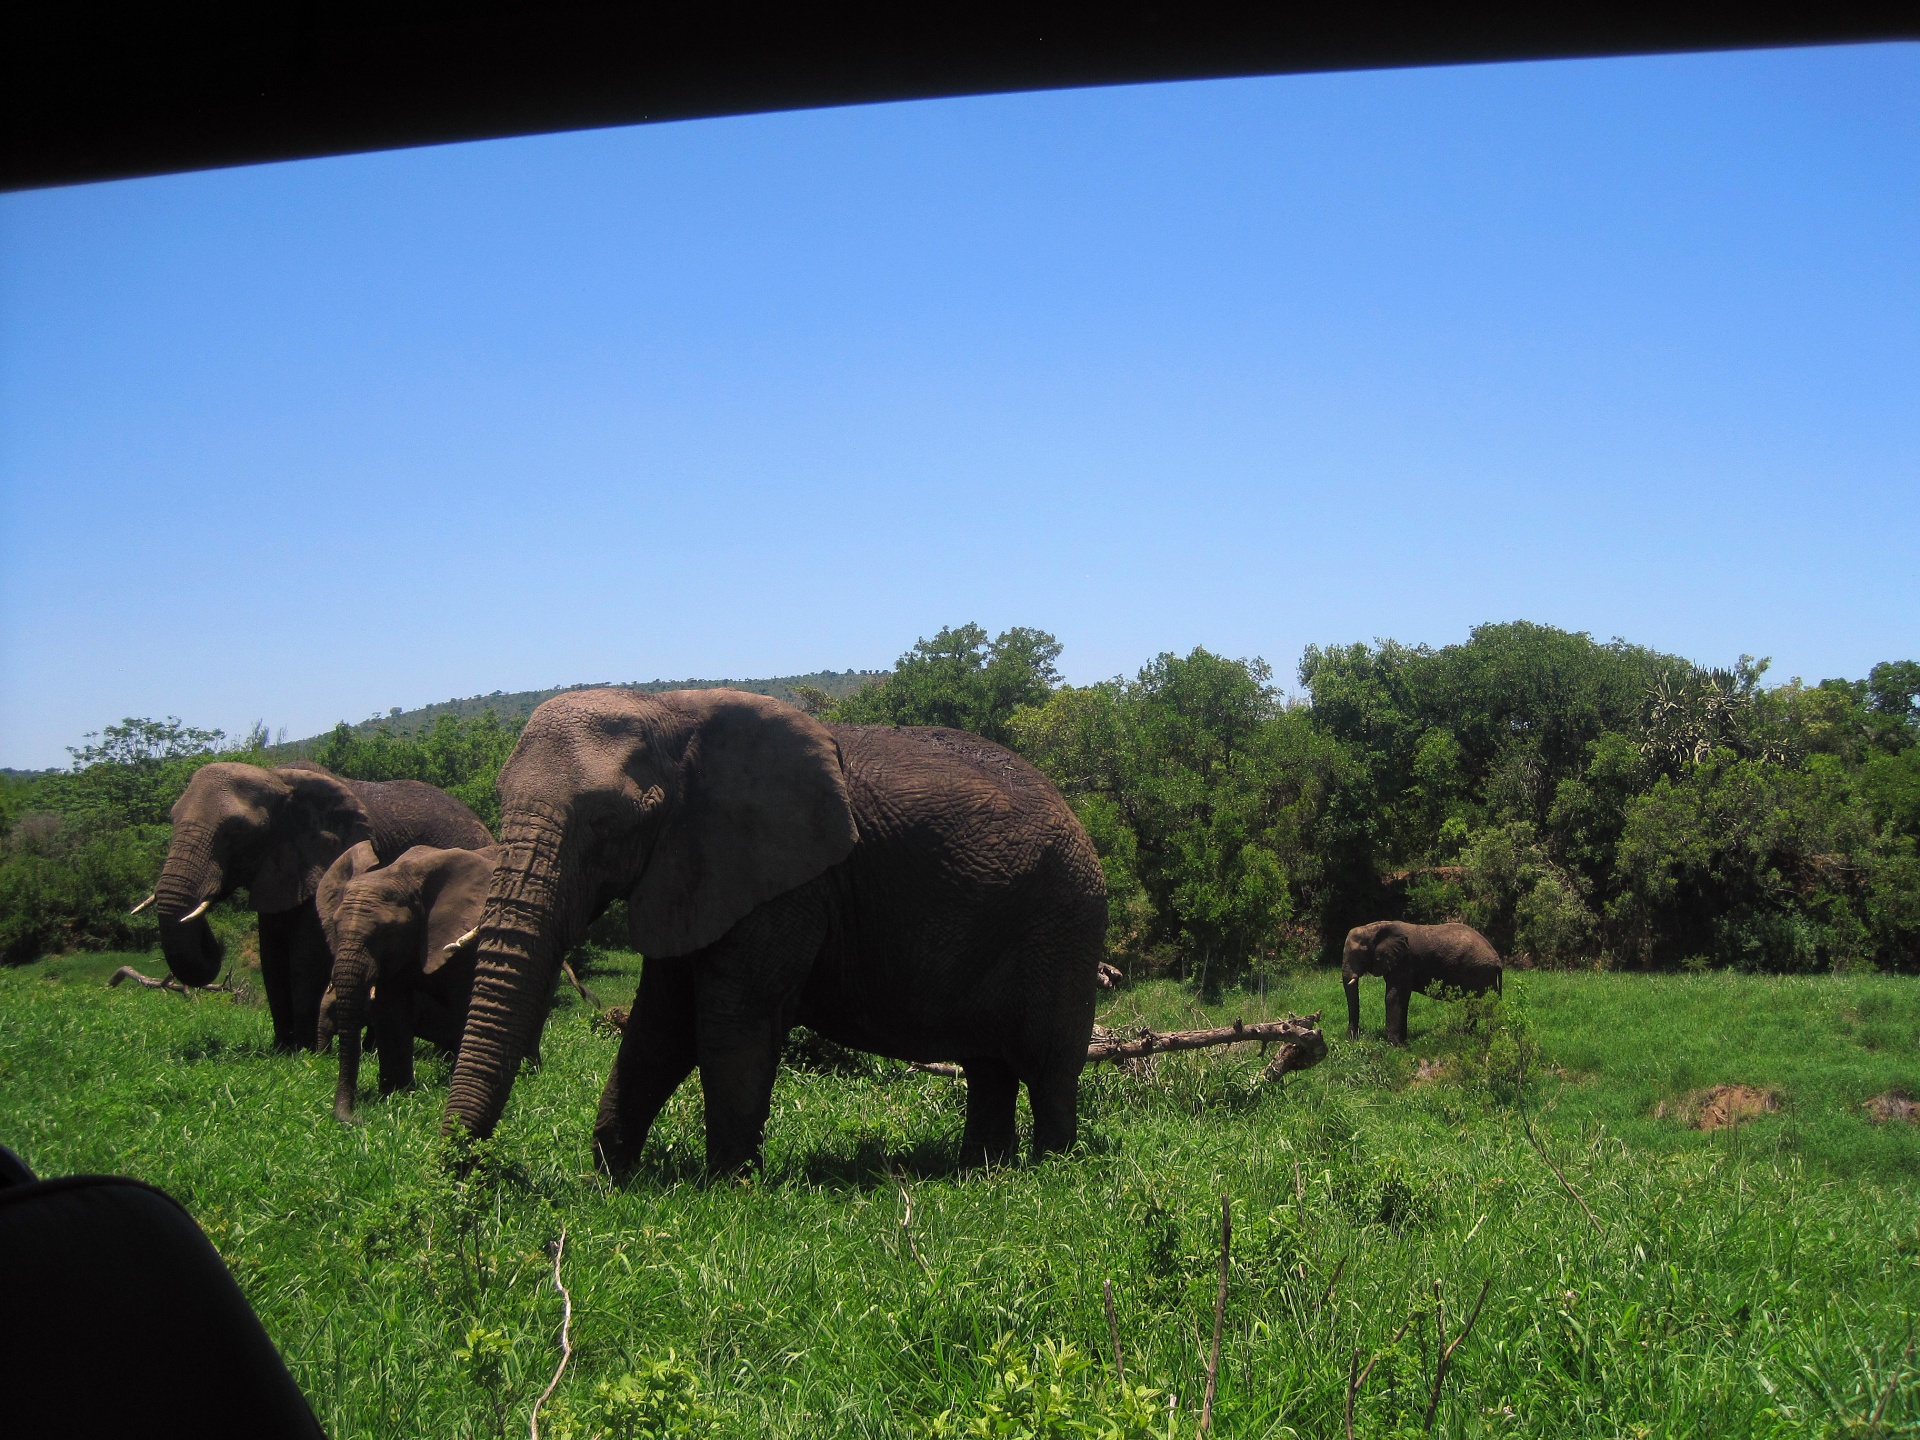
{"x":1893,"y":1383}
{"x":1113,"y":1329}
{"x":1526,"y":1127}
{"x":1219,"y":1314}
{"x":1327,"y":1294}
{"x":585,"y":994}
{"x":1447,"y":1349}
{"x":1299,"y":1184}
{"x":566,"y":1337}
{"x":1357,"y":1377}
{"x":1534,"y":1141}
{"x":906,"y":1229}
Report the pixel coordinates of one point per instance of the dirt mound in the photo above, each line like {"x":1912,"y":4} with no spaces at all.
{"x":1893,"y":1106}
{"x":1430,"y":1071}
{"x":1719,"y":1107}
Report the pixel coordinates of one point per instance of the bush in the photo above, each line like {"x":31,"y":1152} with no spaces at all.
{"x":660,"y":1400}
{"x":1052,"y":1391}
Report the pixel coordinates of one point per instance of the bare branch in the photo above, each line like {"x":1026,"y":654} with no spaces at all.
{"x":1113,"y":1329}
{"x":906,"y":1229}
{"x":127,"y":972}
{"x":1327,"y":1294}
{"x":1446,"y":1351}
{"x":566,"y":1337}
{"x":585,"y":994}
{"x":1219,"y":1314}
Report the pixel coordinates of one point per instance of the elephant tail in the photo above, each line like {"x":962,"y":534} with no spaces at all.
{"x":1500,"y":981}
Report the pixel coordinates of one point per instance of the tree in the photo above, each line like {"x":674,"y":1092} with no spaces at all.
{"x":960,"y":678}
{"x":1203,"y":794}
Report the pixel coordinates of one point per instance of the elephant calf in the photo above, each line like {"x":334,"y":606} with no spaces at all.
{"x":402,"y":937}
{"x":1410,"y":958}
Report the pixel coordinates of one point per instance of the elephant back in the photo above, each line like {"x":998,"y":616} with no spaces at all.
{"x":948,"y":790}
{"x":405,"y":813}
{"x":1464,"y":949}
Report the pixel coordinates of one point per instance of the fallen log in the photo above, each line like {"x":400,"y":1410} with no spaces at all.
{"x":127,"y":972}
{"x":1294,"y":1030}
{"x":1302,"y":1046}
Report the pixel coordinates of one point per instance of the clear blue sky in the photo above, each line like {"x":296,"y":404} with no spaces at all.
{"x":1630,"y":347}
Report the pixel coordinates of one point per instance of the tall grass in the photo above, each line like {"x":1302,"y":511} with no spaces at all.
{"x":1753,"y":1282}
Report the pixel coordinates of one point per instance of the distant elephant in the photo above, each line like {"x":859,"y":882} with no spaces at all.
{"x":1410,"y":958}
{"x":276,"y":832}
{"x":919,"y":893}
{"x":402,"y":938}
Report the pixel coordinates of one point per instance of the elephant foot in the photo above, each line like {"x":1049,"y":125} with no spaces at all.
{"x":978,"y":1155}
{"x":613,"y":1156}
{"x":732,"y":1167}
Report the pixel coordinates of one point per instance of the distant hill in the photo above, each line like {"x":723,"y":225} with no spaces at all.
{"x":517,"y":705}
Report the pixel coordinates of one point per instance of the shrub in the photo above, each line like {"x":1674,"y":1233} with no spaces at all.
{"x":1052,"y":1392}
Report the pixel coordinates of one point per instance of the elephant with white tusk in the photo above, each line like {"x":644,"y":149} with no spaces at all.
{"x":1414,"y":957}
{"x":394,"y":968}
{"x":276,"y":832}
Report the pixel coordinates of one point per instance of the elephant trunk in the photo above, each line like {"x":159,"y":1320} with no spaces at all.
{"x":1350,"y":982}
{"x":343,"y":1011}
{"x":531,"y":920}
{"x":191,"y":875}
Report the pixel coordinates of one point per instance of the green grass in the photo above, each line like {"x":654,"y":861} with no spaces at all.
{"x":1750,"y":1282}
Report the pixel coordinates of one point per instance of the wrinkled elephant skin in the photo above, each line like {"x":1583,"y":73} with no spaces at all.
{"x":919,"y":893}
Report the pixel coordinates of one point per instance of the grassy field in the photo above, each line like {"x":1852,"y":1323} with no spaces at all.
{"x":1758,"y":1280}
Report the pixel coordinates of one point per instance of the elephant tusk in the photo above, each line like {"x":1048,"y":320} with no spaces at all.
{"x":465,"y":940}
{"x":197,"y":911}
{"x":141,"y":906}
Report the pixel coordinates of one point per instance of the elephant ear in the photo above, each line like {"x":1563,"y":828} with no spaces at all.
{"x":1391,"y":947}
{"x":355,"y":862}
{"x":760,"y":807}
{"x":454,"y":893}
{"x":319,"y":819}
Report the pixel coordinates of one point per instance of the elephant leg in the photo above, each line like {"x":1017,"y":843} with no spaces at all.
{"x":992,"y":1090}
{"x":393,"y":1038}
{"x":310,"y":963}
{"x":1351,"y":984}
{"x":1055,"y":1098}
{"x":656,"y":1054}
{"x":1397,"y":993}
{"x":276,"y":975}
{"x":747,"y":993}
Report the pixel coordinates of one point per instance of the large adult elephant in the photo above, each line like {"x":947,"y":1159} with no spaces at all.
{"x":919,"y":893}
{"x":402,"y":940}
{"x":276,"y":832}
{"x":1410,"y":958}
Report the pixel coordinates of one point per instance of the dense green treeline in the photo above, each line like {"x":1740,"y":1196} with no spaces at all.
{"x":82,"y":845}
{"x":1584,"y":803}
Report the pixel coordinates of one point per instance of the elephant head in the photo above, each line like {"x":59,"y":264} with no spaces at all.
{"x":1370,"y":950}
{"x":273,"y":831}
{"x":411,"y":915}
{"x":696,"y":806}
